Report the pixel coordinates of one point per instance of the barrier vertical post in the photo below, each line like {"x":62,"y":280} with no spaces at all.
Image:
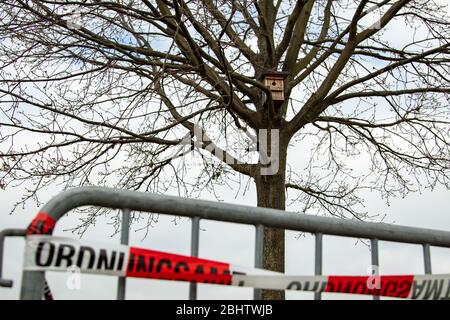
{"x":374,"y":257}
{"x":124,"y":239}
{"x":195,"y":230}
{"x":427,"y":258}
{"x":318,"y":262}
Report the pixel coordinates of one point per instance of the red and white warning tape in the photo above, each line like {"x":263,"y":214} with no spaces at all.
{"x":48,"y":253}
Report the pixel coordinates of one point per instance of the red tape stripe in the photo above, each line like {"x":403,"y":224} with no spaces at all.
{"x":388,"y":286}
{"x":145,"y":263}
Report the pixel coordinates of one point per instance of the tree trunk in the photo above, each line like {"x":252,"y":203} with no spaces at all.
{"x":271,"y":194}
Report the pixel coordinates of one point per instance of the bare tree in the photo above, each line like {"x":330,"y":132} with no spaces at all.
{"x":137,"y":93}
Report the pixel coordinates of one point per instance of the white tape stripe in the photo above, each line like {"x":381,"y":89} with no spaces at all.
{"x":255,"y":271}
{"x":281,"y":282}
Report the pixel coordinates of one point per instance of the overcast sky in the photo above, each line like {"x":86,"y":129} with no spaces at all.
{"x":235,"y":244}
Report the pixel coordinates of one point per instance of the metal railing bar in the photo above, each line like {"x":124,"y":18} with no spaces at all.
{"x":426,"y":258}
{"x":374,"y":258}
{"x":124,"y":239}
{"x":259,"y":242}
{"x":318,"y":261}
{"x":195,"y":239}
{"x":220,"y":211}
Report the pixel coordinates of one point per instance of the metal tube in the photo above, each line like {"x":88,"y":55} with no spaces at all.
{"x":259,"y":242}
{"x":426,"y":258}
{"x":3,"y":234}
{"x":124,"y":239}
{"x":32,"y":284}
{"x":374,"y":258}
{"x":318,"y":261}
{"x":141,"y":201}
{"x":195,"y":237}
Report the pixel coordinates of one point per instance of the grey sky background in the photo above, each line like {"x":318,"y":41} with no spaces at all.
{"x":235,"y":243}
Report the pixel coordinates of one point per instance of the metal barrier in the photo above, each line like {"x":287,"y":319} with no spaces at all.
{"x":33,"y":281}
{"x":3,"y":234}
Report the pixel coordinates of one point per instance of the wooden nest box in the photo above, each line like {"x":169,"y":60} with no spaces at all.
{"x":275,"y":82}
